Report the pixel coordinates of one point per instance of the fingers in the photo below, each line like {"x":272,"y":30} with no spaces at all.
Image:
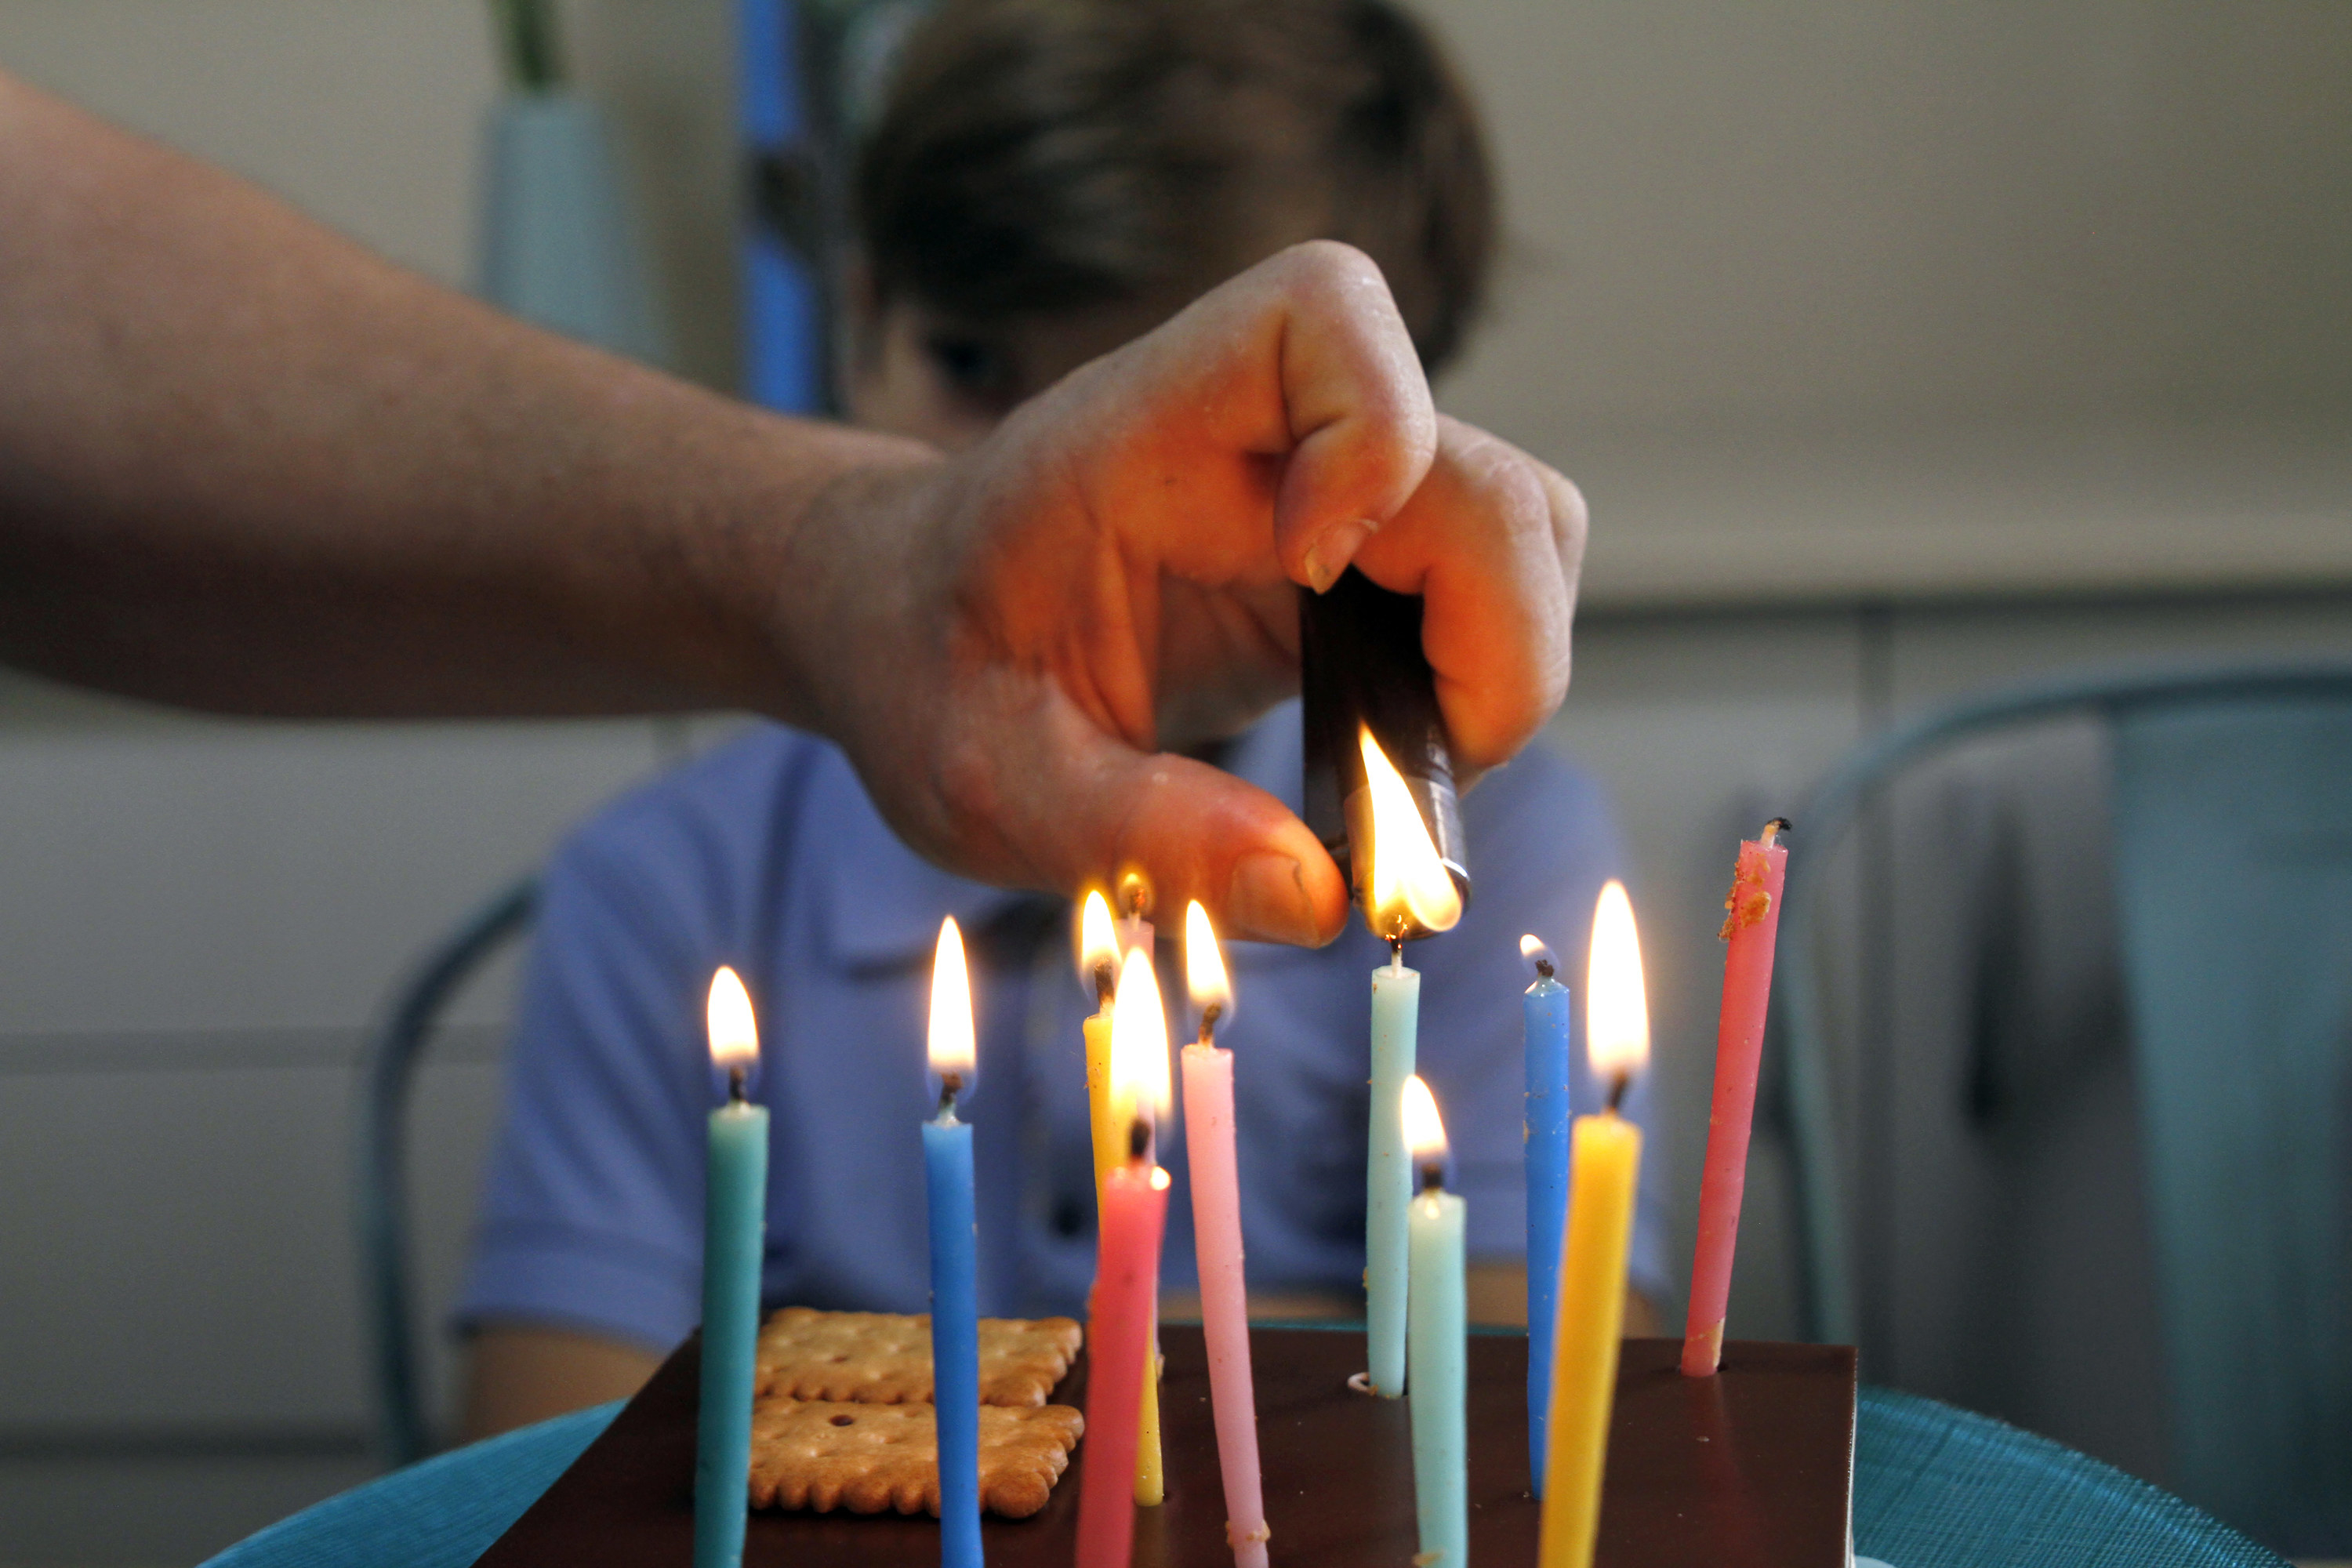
{"x":1492,"y":540}
{"x":1084,"y":807}
{"x":1293,"y":388}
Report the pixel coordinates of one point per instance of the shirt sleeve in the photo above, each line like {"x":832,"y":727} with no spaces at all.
{"x":591,"y":1214}
{"x":1545,"y":838}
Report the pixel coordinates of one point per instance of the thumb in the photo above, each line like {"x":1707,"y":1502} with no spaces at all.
{"x":1196,"y":831}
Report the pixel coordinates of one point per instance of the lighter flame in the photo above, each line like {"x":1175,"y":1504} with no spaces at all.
{"x":1425,"y":1131}
{"x":1204,"y":966}
{"x":734,"y":1037}
{"x":1616,"y":1004}
{"x":952,"y":1047}
{"x":1139,"y":1045}
{"x":1407,"y":877}
{"x":1097,"y":940}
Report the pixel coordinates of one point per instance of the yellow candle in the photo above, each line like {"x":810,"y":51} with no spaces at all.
{"x":1606,"y":1165}
{"x":1590,"y":1321}
{"x":1109,"y":1122}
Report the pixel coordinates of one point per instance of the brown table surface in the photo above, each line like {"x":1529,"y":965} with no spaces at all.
{"x":1750,"y":1468}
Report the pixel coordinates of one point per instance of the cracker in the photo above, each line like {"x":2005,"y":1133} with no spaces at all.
{"x":829,"y":1454}
{"x":885,"y":1357}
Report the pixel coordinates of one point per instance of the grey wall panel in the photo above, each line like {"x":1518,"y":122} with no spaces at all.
{"x":243,"y":877}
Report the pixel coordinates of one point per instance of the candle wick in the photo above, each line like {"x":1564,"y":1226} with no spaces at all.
{"x":1396,"y":954}
{"x":1778,"y":825}
{"x":1138,"y":1137}
{"x":1106,"y":983}
{"x":1208,"y":1016}
{"x":737,"y":1082}
{"x":950,"y":1085}
{"x":1617,"y":1087}
{"x":1544,"y":968}
{"x":1433,"y":1177}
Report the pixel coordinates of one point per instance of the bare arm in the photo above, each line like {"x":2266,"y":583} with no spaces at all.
{"x":245,"y":466}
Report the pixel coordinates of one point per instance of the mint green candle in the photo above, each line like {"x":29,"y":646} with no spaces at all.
{"x":734,"y":1224}
{"x":1439,"y":1349}
{"x":1388,"y":1177}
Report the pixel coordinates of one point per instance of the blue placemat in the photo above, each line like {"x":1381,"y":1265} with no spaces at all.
{"x":1939,"y":1488}
{"x":1934,"y":1488}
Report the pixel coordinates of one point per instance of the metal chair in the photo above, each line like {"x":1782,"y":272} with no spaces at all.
{"x":380,"y":1187}
{"x":2232,"y":847}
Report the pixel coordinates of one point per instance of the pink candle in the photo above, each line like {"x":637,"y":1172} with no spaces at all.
{"x":1217,"y":1240}
{"x":1127,"y":1290}
{"x":1751,"y":924}
{"x":1127,"y":1273}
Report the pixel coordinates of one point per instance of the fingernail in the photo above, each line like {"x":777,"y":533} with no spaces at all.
{"x":1267,"y":901}
{"x":1329,"y":555}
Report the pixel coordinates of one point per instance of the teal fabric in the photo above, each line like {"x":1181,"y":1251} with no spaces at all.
{"x":1934,"y":1488}
{"x":2234,"y":857}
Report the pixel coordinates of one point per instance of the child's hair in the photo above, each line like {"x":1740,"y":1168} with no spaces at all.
{"x":1036,"y":156}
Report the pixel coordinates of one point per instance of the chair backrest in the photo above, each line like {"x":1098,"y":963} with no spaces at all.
{"x":2232,"y":822}
{"x":2234,"y":862}
{"x":380,"y":1190}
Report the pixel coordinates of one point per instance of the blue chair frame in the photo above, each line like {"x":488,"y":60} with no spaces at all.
{"x":380,"y":1187}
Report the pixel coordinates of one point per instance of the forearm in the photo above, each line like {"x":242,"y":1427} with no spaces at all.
{"x":246,"y":465}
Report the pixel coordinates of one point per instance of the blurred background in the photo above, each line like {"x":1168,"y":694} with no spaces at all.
{"x":1902,"y":351}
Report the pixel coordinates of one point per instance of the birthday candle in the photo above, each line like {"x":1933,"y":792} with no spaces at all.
{"x":734,"y":1217}
{"x":1546,"y":1015}
{"x":1406,"y":892}
{"x":1751,"y":925}
{"x":1101,"y":947}
{"x":1438,"y":1333}
{"x":1607,"y":1154}
{"x":955,"y":1307}
{"x":1217,"y":1244}
{"x":1126,"y":1278}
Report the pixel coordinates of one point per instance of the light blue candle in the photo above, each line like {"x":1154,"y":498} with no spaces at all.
{"x":955,"y":1291}
{"x":734,"y":1220}
{"x":955,"y":1335}
{"x":1547,"y":1126}
{"x":1388,"y":1178}
{"x":1439,"y":1336}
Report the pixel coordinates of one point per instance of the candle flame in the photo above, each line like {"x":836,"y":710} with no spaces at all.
{"x":1097,"y":940}
{"x":1533,"y":947}
{"x":1140,"y":1081}
{"x":1425,"y":1130}
{"x":952,"y":1049}
{"x":1616,"y":1004}
{"x":1407,"y":883}
{"x":734,"y":1036}
{"x":1204,"y":966}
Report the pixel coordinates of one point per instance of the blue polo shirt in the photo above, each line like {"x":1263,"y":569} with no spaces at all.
{"x":768,"y":856}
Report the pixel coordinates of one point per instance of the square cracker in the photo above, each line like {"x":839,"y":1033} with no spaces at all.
{"x":829,"y":1454}
{"x":885,"y":1357}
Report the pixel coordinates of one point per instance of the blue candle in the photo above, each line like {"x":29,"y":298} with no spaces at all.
{"x":734,"y":1217}
{"x":955,"y":1303}
{"x":1388,"y":1180}
{"x":1440,"y":1346}
{"x":1547,"y":1125}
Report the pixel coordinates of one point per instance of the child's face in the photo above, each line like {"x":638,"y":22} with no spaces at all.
{"x":918,"y":373}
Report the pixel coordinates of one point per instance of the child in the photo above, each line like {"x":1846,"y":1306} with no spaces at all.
{"x":1048,"y":179}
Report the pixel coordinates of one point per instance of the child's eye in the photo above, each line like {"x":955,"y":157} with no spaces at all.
{"x":970,"y":365}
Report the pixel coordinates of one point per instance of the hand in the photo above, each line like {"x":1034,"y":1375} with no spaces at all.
{"x":1121,"y":554}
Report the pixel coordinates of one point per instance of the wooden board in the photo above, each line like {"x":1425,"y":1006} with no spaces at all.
{"x":1752,"y":1467}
